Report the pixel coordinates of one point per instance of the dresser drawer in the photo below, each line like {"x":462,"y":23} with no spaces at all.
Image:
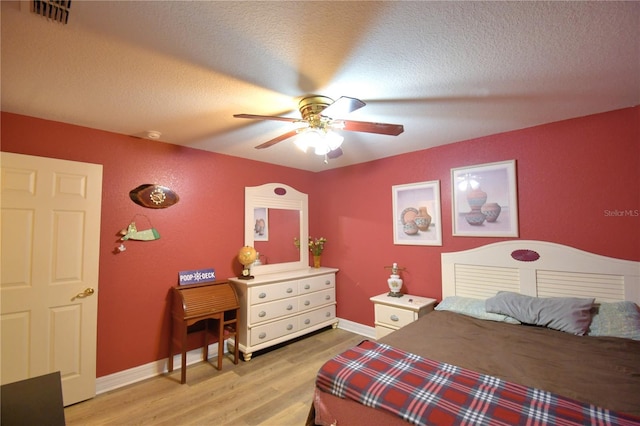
{"x":309,"y":319}
{"x":394,"y":317}
{"x":269,"y":292}
{"x":313,"y":300}
{"x":322,"y":282}
{"x":273,"y":330}
{"x":268,"y":311}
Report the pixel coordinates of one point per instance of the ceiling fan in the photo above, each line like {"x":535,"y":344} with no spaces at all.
{"x":318,"y":127}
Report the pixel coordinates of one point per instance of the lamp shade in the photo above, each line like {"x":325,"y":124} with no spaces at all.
{"x":334,"y":140}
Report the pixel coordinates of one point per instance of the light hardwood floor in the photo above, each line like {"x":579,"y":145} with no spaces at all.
{"x":274,"y":388}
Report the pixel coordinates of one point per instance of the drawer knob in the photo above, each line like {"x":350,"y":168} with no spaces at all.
{"x":327,"y":282}
{"x":394,"y":318}
{"x":262,"y":295}
{"x":307,"y":286}
{"x":327,"y":297}
{"x":328,"y":314}
{"x":307,"y":321}
{"x":289,"y":307}
{"x":289,"y":290}
{"x":262,"y":335}
{"x":307,"y":303}
{"x":262,"y":314}
{"x":290,"y":327}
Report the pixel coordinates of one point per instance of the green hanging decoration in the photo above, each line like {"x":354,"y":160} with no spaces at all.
{"x":132,"y":233}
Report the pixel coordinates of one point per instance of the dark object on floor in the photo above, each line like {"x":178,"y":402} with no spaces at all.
{"x":35,"y":401}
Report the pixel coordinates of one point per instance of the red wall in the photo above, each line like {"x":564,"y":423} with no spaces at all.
{"x":204,"y":229}
{"x":569,"y":175}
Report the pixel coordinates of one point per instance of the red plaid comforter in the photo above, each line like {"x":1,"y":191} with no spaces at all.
{"x":426,"y":392}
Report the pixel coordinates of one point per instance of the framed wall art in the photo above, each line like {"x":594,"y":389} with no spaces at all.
{"x":485,"y":200}
{"x":416,"y":214}
{"x":261,"y":221}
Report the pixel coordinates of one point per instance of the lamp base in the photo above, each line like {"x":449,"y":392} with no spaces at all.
{"x":395,"y":294}
{"x":246,"y":274}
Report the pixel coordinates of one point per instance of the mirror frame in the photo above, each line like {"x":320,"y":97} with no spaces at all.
{"x":268,"y":196}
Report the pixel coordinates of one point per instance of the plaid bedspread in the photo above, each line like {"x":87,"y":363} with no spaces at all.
{"x":426,"y":392}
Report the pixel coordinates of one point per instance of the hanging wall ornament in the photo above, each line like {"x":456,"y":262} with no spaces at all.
{"x":132,"y":233}
{"x":153,"y":196}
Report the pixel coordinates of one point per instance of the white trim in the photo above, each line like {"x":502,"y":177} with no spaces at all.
{"x":152,"y":369}
{"x":354,"y":327}
{"x":142,"y":372}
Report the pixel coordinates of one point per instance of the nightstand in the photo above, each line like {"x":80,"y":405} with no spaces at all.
{"x":393,"y":313}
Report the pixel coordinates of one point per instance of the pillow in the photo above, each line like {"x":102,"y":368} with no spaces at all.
{"x":618,"y":319}
{"x":471,"y":307}
{"x":569,"y":314}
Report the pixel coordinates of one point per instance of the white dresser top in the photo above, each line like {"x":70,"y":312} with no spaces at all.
{"x":284,"y":276}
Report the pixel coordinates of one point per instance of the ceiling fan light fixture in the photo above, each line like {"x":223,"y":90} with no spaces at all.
{"x":308,"y":138}
{"x":321,"y":140}
{"x":337,"y":124}
{"x":322,"y":149}
{"x":334,"y":140}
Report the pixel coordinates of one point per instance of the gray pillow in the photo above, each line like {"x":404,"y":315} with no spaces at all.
{"x":569,"y":314}
{"x":472,"y":308}
{"x":616,"y":319}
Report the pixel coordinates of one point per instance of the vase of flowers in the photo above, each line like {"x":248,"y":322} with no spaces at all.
{"x":316,"y":247}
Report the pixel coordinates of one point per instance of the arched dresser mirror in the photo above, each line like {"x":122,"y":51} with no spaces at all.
{"x":275,"y":215}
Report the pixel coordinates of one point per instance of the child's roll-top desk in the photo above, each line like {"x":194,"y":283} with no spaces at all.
{"x":191,"y":303}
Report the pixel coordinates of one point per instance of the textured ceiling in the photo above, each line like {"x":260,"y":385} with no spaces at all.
{"x":447,"y":71}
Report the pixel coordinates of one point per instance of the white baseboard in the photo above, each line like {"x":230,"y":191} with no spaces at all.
{"x":157,"y":368}
{"x":355,"y":327}
{"x":152,"y":369}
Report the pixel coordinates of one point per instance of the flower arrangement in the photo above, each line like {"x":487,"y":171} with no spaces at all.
{"x":316,"y":245}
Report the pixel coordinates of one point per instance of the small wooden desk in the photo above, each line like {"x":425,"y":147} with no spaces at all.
{"x":197,"y":302}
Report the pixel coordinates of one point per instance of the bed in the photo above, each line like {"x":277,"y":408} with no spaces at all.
{"x":573,"y":359}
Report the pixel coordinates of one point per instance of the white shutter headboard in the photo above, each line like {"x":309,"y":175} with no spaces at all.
{"x":539,"y":268}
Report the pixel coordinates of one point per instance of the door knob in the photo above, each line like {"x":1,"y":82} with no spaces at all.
{"x":87,"y":292}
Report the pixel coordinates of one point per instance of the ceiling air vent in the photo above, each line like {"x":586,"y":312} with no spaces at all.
{"x":56,"y":10}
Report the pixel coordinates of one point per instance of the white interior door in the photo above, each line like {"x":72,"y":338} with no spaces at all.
{"x":50,"y":251}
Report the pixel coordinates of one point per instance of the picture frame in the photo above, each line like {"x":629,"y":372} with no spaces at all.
{"x":261,"y":224}
{"x":417,"y":214}
{"x":485,"y":200}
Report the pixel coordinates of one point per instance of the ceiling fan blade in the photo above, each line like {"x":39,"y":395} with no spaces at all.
{"x":344,"y":105}
{"x":274,"y":141}
{"x":265,"y":117}
{"x":371,"y":127}
{"x":335,"y":153}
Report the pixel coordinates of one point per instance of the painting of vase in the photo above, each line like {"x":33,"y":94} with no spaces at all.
{"x":423,"y":219}
{"x":491,"y":211}
{"x":476,"y":198}
{"x":475,"y":217}
{"x":485,"y":202}
{"x":261,"y":226}
{"x":416,"y":214}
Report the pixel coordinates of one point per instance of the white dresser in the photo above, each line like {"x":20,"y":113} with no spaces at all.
{"x":278,"y":307}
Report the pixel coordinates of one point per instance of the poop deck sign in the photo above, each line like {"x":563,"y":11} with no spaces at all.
{"x":197,"y":276}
